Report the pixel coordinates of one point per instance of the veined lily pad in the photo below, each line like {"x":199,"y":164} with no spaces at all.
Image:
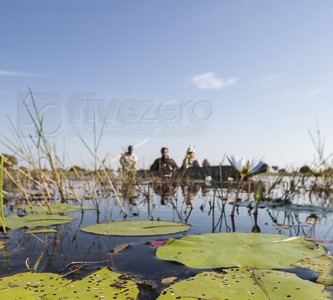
{"x":258,"y":251}
{"x":322,"y":265}
{"x":240,"y":284}
{"x":30,"y":285}
{"x":136,"y":228}
{"x":55,"y":208}
{"x":35,"y":220}
{"x":103,"y":284}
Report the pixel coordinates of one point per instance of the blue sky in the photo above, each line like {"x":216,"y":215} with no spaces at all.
{"x":229,"y":77}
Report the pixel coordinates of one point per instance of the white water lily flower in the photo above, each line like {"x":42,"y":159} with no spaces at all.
{"x":244,"y":166}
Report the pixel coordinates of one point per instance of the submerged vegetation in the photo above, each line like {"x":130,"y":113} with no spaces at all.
{"x":42,"y":204}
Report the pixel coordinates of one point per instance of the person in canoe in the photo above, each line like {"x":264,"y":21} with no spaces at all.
{"x":128,"y":161}
{"x":164,"y":164}
{"x":190,"y":161}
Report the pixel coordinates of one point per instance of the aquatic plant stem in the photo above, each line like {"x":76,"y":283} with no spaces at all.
{"x":258,"y":195}
{"x":76,"y":197}
{"x":18,"y":184}
{"x":236,"y":197}
{"x":2,"y":219}
{"x":44,"y":146}
{"x":115,"y":192}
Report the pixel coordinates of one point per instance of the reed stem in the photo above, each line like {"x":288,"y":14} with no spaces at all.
{"x":236,"y":197}
{"x":2,"y":219}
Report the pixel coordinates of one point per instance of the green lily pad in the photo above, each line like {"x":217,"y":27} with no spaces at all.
{"x":30,"y":285}
{"x":136,"y":228}
{"x":103,"y":284}
{"x":258,"y":251}
{"x":240,"y":284}
{"x":55,"y":208}
{"x":322,"y":265}
{"x":35,"y":220}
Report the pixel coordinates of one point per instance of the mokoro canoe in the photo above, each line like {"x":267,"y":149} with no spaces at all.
{"x":216,"y":173}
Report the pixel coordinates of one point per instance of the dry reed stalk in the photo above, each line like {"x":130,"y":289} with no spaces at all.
{"x":2,"y":217}
{"x":76,"y":197}
{"x":18,"y":184}
{"x":114,"y":191}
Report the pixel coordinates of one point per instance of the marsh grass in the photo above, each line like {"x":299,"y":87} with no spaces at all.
{"x":43,"y":147}
{"x":100,"y":183}
{"x":99,"y":167}
{"x":2,"y":217}
{"x":33,"y":182}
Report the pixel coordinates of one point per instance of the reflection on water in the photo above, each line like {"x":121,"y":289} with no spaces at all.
{"x":71,"y":251}
{"x":166,"y":189}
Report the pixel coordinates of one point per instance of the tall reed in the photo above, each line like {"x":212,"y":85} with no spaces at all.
{"x":2,"y":218}
{"x":42,"y":144}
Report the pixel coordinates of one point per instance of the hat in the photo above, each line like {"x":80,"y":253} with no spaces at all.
{"x":190,"y":150}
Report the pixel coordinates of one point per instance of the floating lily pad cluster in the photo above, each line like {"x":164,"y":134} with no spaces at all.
{"x":254,"y":256}
{"x":246,"y":262}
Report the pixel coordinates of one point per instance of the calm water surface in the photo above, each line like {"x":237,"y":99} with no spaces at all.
{"x":197,"y":204}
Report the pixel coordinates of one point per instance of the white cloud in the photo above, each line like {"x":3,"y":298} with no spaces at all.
{"x":8,"y":73}
{"x":295,"y":93}
{"x":209,"y":81}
